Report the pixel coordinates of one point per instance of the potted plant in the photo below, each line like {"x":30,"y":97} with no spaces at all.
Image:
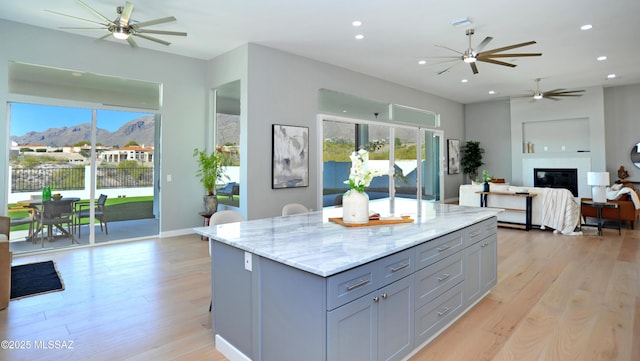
{"x":471,"y":158}
{"x":485,"y":179}
{"x":210,"y":171}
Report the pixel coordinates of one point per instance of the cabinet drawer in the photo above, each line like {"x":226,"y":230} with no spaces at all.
{"x":434,"y":280}
{"x":349,"y":285}
{"x":432,"y":251}
{"x":396,"y":266}
{"x":479,"y":231}
{"x":436,"y":314}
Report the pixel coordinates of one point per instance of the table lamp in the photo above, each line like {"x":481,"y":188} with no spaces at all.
{"x":598,"y":181}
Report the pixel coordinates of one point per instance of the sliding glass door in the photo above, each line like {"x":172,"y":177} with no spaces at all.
{"x":81,"y":154}
{"x":409,"y":158}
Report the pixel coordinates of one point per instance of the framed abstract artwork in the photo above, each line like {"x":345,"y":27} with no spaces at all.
{"x":453,"y":156}
{"x":290,"y":164}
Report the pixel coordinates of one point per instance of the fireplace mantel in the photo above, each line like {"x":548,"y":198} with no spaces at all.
{"x":583,"y":164}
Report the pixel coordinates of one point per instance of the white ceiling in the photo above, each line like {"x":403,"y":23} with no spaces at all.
{"x":396,"y":35}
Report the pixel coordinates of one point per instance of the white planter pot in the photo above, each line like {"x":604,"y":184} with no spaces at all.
{"x":355,"y":207}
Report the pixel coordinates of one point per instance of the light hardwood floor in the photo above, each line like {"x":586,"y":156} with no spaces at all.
{"x":558,"y":298}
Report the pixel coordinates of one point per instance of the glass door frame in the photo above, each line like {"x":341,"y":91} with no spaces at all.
{"x":420,"y":136}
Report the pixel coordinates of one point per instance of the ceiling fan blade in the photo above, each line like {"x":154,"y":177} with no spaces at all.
{"x":103,"y":37}
{"x":132,"y":42}
{"x":552,"y":98}
{"x":497,"y":50}
{"x":448,"y":48}
{"x":474,"y":68}
{"x":81,"y":28}
{"x":95,"y":12}
{"x":447,"y":69}
{"x":512,"y":55}
{"x":568,"y":93}
{"x":75,"y":17}
{"x":152,"y":39}
{"x":553,"y":91}
{"x":126,"y":14}
{"x":163,"y":32}
{"x":483,"y":44}
{"x":497,"y":62}
{"x":562,"y":95}
{"x":153,"y":22}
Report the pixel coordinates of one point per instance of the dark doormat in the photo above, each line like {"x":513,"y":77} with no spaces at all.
{"x":34,"y":279}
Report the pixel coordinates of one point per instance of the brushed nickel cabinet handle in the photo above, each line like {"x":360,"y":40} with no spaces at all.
{"x":444,"y":248}
{"x":399,"y":267}
{"x":384,"y":296}
{"x":446,"y":310}
{"x":444,"y":277}
{"x":359,"y":284}
{"x":376,"y":299}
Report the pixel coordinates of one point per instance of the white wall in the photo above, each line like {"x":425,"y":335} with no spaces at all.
{"x":589,"y":106}
{"x":490,"y":124}
{"x":283,"y":89}
{"x":183,"y":111}
{"x":622,"y":128}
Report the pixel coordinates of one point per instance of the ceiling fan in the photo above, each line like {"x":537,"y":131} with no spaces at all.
{"x":123,"y":27}
{"x":551,"y":94}
{"x":471,"y":56}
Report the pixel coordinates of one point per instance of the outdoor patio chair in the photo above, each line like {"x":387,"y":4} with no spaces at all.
{"x":29,"y":219}
{"x":58,"y":214}
{"x":83,"y":210}
{"x":229,"y":190}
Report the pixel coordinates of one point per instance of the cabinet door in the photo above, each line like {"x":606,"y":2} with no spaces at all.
{"x":395,"y":320}
{"x":489,"y":262}
{"x":473,"y":274}
{"x":352,"y":330}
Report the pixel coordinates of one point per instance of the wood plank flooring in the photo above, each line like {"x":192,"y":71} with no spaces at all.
{"x":558,"y":298}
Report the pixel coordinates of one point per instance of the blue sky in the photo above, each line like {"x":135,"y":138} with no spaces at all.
{"x":32,"y":117}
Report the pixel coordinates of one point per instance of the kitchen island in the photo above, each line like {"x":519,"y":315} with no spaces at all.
{"x":303,"y":288}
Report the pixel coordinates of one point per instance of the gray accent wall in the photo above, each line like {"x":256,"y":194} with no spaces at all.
{"x":622,"y":128}
{"x":282,"y":88}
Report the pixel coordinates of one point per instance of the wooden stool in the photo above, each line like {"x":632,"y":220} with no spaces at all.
{"x":206,"y":217}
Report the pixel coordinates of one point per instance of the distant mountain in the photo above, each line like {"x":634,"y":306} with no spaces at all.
{"x":140,"y":130}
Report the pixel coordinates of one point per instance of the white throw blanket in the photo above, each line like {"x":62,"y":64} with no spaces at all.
{"x":616,"y":194}
{"x":560,"y":211}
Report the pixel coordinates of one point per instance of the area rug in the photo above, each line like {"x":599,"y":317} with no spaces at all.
{"x":34,"y":278}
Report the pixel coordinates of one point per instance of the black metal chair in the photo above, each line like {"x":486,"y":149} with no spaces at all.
{"x":83,"y":210}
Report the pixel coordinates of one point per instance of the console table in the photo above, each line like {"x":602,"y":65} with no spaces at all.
{"x":601,"y":223}
{"x":528,"y":201}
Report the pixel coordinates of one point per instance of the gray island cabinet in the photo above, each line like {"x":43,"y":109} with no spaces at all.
{"x":303,"y":288}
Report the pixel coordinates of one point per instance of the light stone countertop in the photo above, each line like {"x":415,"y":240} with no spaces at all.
{"x":312,"y":243}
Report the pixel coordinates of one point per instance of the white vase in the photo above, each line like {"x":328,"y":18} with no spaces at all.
{"x":355,"y":207}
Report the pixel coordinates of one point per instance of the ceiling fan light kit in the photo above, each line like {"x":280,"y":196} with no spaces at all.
{"x":123,"y":27}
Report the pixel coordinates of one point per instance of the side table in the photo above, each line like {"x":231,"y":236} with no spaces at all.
{"x":600,"y":222}
{"x":206,"y":217}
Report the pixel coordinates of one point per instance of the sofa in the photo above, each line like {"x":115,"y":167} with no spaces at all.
{"x":551,"y":207}
{"x":626,"y":204}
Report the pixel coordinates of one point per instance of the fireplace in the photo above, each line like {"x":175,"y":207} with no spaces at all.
{"x":556,"y":178}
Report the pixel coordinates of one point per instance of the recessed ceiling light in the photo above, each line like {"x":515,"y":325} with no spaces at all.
{"x":464,"y":80}
{"x":422,"y":62}
{"x":356,"y":23}
{"x":492,"y":92}
{"x":359,"y":36}
{"x":461,"y":22}
{"x":611,"y":76}
{"x":586,"y":27}
{"x":601,"y":58}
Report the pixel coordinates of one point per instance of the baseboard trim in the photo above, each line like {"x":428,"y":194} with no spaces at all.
{"x":229,"y":351}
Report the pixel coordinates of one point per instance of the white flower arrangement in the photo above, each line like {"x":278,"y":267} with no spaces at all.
{"x":360,"y":175}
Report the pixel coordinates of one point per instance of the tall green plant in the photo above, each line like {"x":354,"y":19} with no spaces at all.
{"x":471,"y":158}
{"x":210,"y":169}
